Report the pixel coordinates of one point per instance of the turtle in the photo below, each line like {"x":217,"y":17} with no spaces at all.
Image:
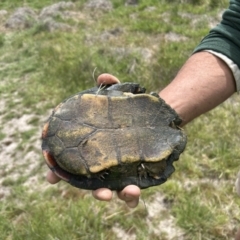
{"x":113,"y":136}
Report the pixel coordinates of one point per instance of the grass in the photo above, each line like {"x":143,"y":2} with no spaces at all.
{"x":40,"y":68}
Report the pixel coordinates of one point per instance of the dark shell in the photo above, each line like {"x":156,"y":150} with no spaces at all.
{"x":113,"y":137}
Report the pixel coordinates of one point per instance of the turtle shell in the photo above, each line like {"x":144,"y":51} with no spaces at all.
{"x":112,"y":137}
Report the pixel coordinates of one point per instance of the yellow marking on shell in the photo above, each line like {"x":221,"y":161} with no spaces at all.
{"x":94,"y":110}
{"x":128,"y":94}
{"x":99,"y":151}
{"x":130,"y":159}
{"x":129,"y":149}
{"x":163,"y":155}
{"x":101,"y":166}
{"x":74,"y":133}
{"x":140,"y":95}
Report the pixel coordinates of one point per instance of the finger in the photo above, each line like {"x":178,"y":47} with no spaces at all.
{"x":102,"y":194}
{"x":107,"y":78}
{"x":52,"y":178}
{"x":130,"y":195}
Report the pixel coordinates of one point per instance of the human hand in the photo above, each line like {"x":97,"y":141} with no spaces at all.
{"x":129,"y":194}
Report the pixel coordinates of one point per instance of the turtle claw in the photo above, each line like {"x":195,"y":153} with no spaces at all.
{"x":142,"y":173}
{"x":103,"y":175}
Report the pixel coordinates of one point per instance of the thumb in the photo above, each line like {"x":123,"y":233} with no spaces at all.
{"x":106,"y":79}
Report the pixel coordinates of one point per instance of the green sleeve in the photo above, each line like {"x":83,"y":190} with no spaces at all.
{"x":225,"y":37}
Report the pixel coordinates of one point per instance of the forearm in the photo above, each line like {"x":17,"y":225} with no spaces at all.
{"x":203,"y":83}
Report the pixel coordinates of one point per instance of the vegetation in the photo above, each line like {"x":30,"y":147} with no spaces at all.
{"x":146,"y":43}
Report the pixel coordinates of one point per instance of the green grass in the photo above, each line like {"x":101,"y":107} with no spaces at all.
{"x":40,"y":68}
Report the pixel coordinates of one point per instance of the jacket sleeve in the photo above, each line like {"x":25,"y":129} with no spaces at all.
{"x":225,"y":37}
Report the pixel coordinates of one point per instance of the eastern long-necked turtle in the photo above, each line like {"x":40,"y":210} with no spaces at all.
{"x":112,"y":137}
